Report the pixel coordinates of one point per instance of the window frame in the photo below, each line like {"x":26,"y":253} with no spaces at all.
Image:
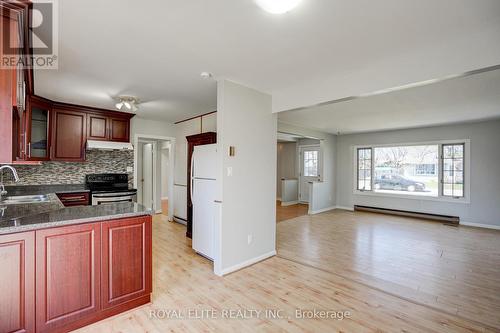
{"x":303,"y":161}
{"x":357,"y":168}
{"x":466,"y":176}
{"x":442,"y":170}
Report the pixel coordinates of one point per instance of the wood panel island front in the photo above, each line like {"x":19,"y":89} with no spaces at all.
{"x":63,"y":273}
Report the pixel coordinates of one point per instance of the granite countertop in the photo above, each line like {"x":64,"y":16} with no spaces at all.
{"x":52,"y":213}
{"x":73,"y":215}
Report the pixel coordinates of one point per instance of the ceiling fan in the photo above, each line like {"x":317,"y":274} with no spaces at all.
{"x":127,"y":103}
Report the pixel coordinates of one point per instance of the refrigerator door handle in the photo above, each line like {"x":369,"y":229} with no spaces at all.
{"x":192,"y":177}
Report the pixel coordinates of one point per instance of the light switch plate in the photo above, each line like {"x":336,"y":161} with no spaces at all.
{"x":229,"y":171}
{"x":130,"y":169}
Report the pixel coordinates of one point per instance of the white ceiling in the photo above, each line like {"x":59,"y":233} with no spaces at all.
{"x":156,"y":49}
{"x":469,"y":98}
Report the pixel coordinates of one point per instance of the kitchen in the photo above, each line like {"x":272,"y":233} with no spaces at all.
{"x":74,"y":243}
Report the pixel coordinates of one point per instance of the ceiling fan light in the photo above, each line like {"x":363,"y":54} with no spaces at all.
{"x":127,"y":105}
{"x":277,"y":6}
{"x":119,"y":105}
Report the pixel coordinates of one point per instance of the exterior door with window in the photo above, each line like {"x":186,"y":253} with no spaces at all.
{"x":309,"y":170}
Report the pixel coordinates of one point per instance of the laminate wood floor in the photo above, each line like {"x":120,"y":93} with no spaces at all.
{"x":284,"y":213}
{"x":453,"y":269}
{"x":164,"y":206}
{"x":183,"y":281}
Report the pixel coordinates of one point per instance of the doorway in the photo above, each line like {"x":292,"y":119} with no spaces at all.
{"x":310,"y":161}
{"x":145,"y":192}
{"x":164,"y":150}
{"x":153,"y":173}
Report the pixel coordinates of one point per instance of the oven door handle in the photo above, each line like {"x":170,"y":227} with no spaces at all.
{"x":113,"y":201}
{"x":113,"y":195}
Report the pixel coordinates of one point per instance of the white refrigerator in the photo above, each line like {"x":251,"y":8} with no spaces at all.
{"x":203,"y":177}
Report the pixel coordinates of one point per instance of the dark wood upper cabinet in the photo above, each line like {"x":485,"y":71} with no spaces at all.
{"x":68,"y":267}
{"x":126,"y":260}
{"x":14,"y":80}
{"x":97,"y":127}
{"x":109,"y":127}
{"x":194,"y":140}
{"x":17,"y":290}
{"x":119,"y":129}
{"x":37,"y":129}
{"x":69,"y":135}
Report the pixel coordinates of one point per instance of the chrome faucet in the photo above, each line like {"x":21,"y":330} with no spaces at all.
{"x":2,"y":187}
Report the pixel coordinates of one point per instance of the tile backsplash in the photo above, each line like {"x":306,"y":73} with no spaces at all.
{"x":97,"y":161}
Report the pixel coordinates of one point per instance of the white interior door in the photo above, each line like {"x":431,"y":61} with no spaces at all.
{"x":147,"y":175}
{"x":309,"y":169}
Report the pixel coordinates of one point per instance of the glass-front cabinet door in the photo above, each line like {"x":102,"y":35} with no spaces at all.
{"x":37,"y":130}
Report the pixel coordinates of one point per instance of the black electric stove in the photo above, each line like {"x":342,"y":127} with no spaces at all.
{"x":107,"y":188}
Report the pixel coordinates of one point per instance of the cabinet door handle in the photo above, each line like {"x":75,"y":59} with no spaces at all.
{"x":29,"y":149}
{"x":73,"y":198}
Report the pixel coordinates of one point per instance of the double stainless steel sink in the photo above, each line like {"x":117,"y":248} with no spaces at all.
{"x":24,"y":199}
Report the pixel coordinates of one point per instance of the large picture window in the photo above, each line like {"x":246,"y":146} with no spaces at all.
{"x":419,"y":170}
{"x":407,"y":170}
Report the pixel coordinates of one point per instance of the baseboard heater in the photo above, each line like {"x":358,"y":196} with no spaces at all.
{"x":427,"y":216}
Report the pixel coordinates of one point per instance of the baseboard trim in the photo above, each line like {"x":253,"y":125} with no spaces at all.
{"x":247,"y":263}
{"x":289,"y":203}
{"x":180,"y":220}
{"x":345,"y":208}
{"x":480,"y":225}
{"x":322,"y":210}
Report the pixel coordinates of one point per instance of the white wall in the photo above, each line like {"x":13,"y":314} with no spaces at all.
{"x":245,"y":121}
{"x":203,"y":124}
{"x":484,"y":207}
{"x":286,"y":164}
{"x":151,"y":127}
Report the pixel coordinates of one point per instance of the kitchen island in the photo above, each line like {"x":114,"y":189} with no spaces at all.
{"x":67,"y":267}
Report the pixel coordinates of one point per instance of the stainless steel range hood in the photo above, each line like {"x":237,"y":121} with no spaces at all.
{"x":108,"y":145}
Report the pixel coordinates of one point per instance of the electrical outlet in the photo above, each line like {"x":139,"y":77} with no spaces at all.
{"x":249,"y":239}
{"x":130,"y":169}
{"x":229,"y":171}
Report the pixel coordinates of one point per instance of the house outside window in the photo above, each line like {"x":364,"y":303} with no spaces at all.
{"x":434,"y":170}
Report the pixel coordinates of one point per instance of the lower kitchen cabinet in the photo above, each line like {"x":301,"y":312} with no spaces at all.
{"x":63,"y":278}
{"x":74,"y":199}
{"x":17,"y":288}
{"x":126,"y":260}
{"x":68,"y":267}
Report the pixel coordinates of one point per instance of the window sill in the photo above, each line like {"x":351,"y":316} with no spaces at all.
{"x":412,"y":197}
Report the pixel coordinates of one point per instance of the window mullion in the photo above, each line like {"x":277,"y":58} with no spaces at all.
{"x":440,"y":171}
{"x":372,"y":168}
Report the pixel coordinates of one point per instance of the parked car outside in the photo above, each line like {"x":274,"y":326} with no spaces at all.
{"x":398,"y":183}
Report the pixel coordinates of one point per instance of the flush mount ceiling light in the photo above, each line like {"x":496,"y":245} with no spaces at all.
{"x":127,"y":103}
{"x":206,"y":75}
{"x":277,"y":6}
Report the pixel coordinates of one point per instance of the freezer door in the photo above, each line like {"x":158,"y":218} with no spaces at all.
{"x":204,"y":161}
{"x":204,"y":217}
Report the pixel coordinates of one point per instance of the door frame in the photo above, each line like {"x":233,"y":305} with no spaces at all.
{"x":154,"y":147}
{"x":154,"y":138}
{"x":300,"y":165}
